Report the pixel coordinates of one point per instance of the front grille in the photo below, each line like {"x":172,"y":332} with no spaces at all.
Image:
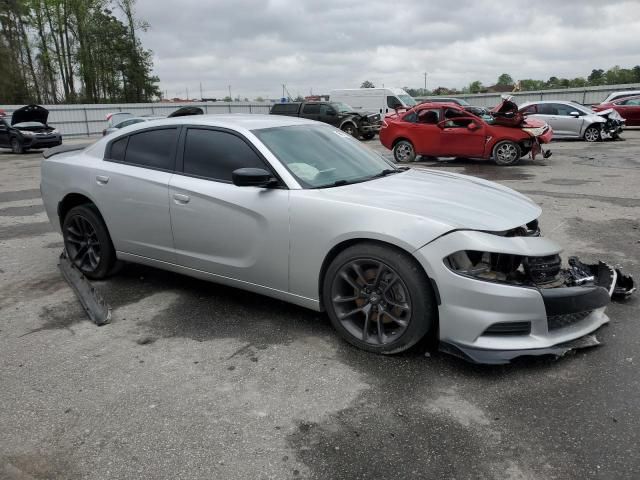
{"x":555,"y":322}
{"x":508,"y":329}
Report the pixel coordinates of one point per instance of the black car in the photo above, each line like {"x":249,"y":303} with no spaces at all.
{"x":338,"y":114}
{"x":28,"y":129}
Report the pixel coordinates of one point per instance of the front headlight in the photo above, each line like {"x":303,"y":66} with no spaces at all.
{"x":54,"y":132}
{"x":535,"y":131}
{"x":506,"y":268}
{"x":27,"y":133}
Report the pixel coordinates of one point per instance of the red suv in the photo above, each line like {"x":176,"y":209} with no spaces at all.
{"x":448,"y":130}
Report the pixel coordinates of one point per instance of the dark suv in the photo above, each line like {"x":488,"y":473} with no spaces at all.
{"x":28,"y":129}
{"x":338,"y":114}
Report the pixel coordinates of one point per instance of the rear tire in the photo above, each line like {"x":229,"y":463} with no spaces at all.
{"x":403,"y":151}
{"x":506,"y":152}
{"x":87,"y":242}
{"x":378,"y":298}
{"x":368,"y":136}
{"x":592,"y":134}
{"x":16,"y":146}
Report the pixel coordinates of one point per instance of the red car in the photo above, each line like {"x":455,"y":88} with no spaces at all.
{"x":627,"y":107}
{"x":448,"y":130}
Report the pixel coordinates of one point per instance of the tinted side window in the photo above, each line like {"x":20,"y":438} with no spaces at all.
{"x":118,"y":148}
{"x":531,"y":109}
{"x":546,"y":109}
{"x":325,"y":109}
{"x":285,"y":108}
{"x":313,"y":108}
{"x":153,"y":148}
{"x":564,"y":110}
{"x":213,"y":154}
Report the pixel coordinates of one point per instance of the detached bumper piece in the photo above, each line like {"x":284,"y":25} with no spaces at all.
{"x":588,"y":288}
{"x":90,"y":299}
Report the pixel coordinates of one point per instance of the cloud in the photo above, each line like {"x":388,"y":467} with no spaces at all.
{"x":257,"y":45}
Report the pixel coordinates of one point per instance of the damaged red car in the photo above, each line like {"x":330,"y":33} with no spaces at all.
{"x":449,"y":130}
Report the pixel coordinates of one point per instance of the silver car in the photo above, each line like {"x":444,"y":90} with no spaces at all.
{"x":301,"y":211}
{"x":126,"y":122}
{"x":572,"y":120}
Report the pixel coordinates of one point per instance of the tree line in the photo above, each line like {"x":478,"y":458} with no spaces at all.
{"x":73,"y":51}
{"x":613,"y":76}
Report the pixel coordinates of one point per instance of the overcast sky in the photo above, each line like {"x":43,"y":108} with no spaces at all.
{"x":257,"y":45}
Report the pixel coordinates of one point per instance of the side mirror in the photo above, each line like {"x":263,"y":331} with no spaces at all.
{"x":574,"y":114}
{"x":252,"y":177}
{"x":473,"y":126}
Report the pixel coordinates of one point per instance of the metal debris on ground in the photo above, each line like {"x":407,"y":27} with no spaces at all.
{"x":92,"y":302}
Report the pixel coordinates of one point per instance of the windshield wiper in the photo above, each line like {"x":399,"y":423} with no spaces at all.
{"x":383,"y":173}
{"x":390,"y":171}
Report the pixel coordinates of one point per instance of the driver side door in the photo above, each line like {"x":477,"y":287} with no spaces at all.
{"x":462,"y":136}
{"x":239,"y":233}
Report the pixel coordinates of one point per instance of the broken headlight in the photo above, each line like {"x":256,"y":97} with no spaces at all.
{"x":535,"y":131}
{"x":506,"y":268}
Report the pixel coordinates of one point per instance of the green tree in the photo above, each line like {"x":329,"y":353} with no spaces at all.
{"x":596,"y":77}
{"x":476,"y":86}
{"x":367,"y":84}
{"x":505,"y":79}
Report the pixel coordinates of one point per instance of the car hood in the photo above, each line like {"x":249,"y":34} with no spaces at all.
{"x":452,"y":200}
{"x":30,"y":113}
{"x":610,"y":113}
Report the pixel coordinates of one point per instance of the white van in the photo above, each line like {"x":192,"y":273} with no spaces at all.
{"x":373,"y":100}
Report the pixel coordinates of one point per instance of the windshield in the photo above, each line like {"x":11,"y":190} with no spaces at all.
{"x":407,"y":100}
{"x":342,"y":107}
{"x":322,"y":156}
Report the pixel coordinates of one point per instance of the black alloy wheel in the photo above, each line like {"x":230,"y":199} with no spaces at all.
{"x":87,"y":242}
{"x":378,"y":299}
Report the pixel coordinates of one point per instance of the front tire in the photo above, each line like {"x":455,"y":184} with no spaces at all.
{"x":350,"y":129}
{"x":403,"y":151}
{"x":87,"y":242}
{"x":592,"y":134}
{"x":16,"y":146}
{"x":378,"y":298}
{"x":506,"y":152}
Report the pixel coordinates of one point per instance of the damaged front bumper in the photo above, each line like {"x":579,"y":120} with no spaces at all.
{"x":493,"y":322}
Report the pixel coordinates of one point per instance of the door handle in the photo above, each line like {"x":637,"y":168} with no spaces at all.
{"x":181,"y":199}
{"x":102,"y":179}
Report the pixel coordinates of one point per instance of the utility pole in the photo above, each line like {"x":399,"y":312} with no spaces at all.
{"x":283,"y":89}
{"x":425,"y":83}
{"x":229,"y":86}
{"x":187,"y":93}
{"x":200,"y":91}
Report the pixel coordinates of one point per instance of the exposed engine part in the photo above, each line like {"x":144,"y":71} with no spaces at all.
{"x":542,"y":270}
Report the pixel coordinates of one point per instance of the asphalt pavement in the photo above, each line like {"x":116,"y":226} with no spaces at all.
{"x":194,"y":380}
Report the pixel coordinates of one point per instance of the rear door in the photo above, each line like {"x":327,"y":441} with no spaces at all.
{"x":544,"y":112}
{"x":131,"y":188}
{"x":235,"y":232}
{"x":311,"y":111}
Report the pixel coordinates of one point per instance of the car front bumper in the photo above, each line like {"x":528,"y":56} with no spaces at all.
{"x":42,"y":141}
{"x":491,"y":322}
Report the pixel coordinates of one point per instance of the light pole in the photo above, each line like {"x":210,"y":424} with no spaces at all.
{"x":425,"y":83}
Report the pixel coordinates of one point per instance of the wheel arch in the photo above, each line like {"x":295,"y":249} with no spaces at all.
{"x":343,"y":245}
{"x":74,"y":199}
{"x":399,"y":139}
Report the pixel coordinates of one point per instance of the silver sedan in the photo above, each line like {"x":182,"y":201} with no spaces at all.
{"x":572,"y":120}
{"x":300,"y":211}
